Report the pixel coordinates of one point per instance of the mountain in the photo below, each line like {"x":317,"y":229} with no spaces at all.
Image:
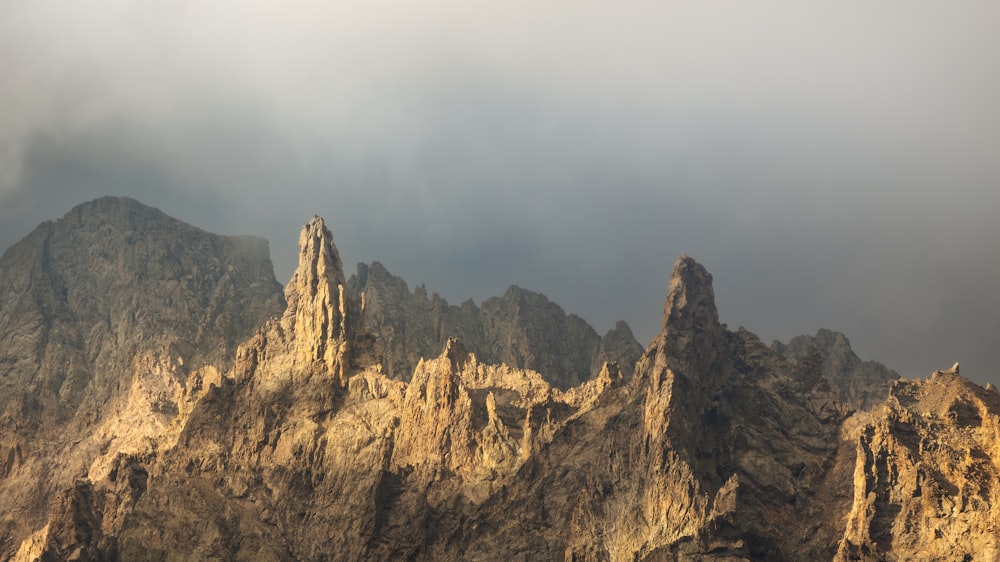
{"x":306,"y":442}
{"x":862,"y":383}
{"x":522,"y":329}
{"x":112,"y":320}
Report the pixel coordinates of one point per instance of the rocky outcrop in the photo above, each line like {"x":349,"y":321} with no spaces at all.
{"x":522,"y":329}
{"x":862,"y":384}
{"x":618,"y":346}
{"x":290,"y":446}
{"x":926,"y":484}
{"x":410,"y":327}
{"x":526,"y":329}
{"x":319,"y":333}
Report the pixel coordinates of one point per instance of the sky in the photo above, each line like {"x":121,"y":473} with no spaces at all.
{"x":833,"y":164}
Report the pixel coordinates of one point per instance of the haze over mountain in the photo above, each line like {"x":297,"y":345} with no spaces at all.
{"x":163,"y":399}
{"x":835,"y":164}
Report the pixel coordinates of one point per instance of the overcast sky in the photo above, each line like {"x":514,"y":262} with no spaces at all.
{"x":833,"y":164}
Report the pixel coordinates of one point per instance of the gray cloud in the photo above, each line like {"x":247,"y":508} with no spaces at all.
{"x":833,"y":166}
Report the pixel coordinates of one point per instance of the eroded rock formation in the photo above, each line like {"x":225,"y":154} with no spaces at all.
{"x":297,"y":439}
{"x":926,"y":484}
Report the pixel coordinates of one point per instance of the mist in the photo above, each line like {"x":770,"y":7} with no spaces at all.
{"x":833,"y":165}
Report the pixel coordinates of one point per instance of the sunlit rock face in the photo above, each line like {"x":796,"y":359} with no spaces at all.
{"x":163,"y":399}
{"x":926,"y":484}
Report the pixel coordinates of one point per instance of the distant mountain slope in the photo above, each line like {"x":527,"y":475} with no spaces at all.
{"x":522,"y":329}
{"x":114,"y":308}
{"x":861,"y":383}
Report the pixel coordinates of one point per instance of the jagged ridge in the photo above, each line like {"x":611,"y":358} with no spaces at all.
{"x":718,"y":447}
{"x":522,"y":329}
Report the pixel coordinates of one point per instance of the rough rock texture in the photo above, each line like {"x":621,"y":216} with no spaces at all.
{"x":111,"y":318}
{"x":522,"y":329}
{"x":314,"y":455}
{"x":863,"y":384}
{"x":413,"y":326}
{"x":718,"y":447}
{"x":926,"y":480}
{"x":688,"y":461}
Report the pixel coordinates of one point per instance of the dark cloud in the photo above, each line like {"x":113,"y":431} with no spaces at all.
{"x":833,"y":166}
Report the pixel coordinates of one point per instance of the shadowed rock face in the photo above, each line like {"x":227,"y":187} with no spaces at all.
{"x":522,"y":329}
{"x":862,"y":384}
{"x":301,"y":446}
{"x":81,"y":296}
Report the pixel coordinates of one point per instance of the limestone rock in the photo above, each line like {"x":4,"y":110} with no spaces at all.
{"x":285,"y":441}
{"x":522,"y":329}
{"x":74,"y":530}
{"x":319,"y":334}
{"x":618,"y":346}
{"x":862,"y":384}
{"x":710,"y":451}
{"x":409,"y":326}
{"x":526,"y":329}
{"x":316,"y":315}
{"x":926,"y":484}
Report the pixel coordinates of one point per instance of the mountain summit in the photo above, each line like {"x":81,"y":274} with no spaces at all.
{"x":163,"y":400}
{"x":690,"y":301}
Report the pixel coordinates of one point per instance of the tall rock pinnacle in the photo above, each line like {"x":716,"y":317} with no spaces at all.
{"x":317,"y":300}
{"x":690,"y":361}
{"x":692,"y":336}
{"x":690,"y":303}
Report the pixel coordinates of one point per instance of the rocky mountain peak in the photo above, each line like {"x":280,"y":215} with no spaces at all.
{"x":618,"y":346}
{"x":121,"y":212}
{"x":693,"y":342}
{"x":690,"y":303}
{"x":318,"y":301}
{"x":114,"y":320}
{"x":319,"y":260}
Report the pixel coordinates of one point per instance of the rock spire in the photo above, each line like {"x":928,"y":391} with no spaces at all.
{"x":690,"y":301}
{"x":318,"y":302}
